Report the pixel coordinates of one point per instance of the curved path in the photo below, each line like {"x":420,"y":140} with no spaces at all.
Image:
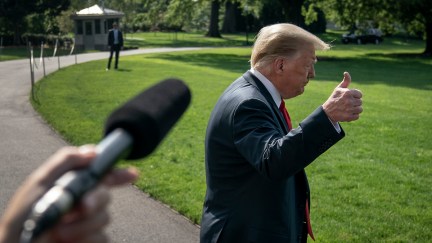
{"x":26,"y":141}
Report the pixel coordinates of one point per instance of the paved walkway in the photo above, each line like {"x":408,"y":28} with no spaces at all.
{"x":26,"y":141}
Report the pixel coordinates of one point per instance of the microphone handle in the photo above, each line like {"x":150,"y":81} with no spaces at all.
{"x":70,"y":187}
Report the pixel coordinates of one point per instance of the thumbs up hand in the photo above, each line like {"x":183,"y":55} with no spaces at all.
{"x":346,"y":81}
{"x":344,"y":104}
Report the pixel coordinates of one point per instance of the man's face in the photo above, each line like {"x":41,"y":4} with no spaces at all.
{"x":295,"y":73}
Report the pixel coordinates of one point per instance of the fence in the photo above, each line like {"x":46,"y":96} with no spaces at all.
{"x":34,"y":64}
{"x":1,"y":45}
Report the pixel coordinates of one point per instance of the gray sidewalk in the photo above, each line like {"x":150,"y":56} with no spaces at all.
{"x":26,"y":141}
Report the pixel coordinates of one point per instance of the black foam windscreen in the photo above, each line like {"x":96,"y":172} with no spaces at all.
{"x":150,"y":115}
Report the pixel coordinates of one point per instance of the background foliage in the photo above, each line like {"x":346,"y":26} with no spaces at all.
{"x":222,"y":16}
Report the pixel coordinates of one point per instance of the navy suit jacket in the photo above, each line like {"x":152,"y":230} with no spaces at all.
{"x":256,"y":183}
{"x":111,"y":38}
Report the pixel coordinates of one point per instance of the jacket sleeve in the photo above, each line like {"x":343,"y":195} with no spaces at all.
{"x":260,"y":139}
{"x":110,"y":38}
{"x":121,"y":38}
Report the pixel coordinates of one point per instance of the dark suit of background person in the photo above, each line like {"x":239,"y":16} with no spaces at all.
{"x":256,"y":183}
{"x":115,"y":43}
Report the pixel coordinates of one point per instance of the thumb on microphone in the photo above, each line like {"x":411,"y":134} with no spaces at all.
{"x":346,"y":81}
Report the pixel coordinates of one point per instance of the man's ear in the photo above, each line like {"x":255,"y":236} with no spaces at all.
{"x":278,"y":65}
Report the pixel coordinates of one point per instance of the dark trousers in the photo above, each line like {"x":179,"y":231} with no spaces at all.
{"x":114,"y":48}
{"x":304,"y":236}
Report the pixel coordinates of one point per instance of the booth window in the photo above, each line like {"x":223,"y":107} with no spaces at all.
{"x":88,"y":28}
{"x":79,"y":27}
{"x":97,"y":26}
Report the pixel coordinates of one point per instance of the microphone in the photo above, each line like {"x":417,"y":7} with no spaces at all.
{"x":132,"y":131}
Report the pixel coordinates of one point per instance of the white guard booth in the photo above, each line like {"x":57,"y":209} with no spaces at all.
{"x":92,"y":25}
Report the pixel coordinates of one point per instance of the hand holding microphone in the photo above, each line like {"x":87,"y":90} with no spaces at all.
{"x":131,"y":132}
{"x":86,"y":221}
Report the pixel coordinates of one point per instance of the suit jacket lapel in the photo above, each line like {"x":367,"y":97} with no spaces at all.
{"x":301,"y":177}
{"x":249,"y":77}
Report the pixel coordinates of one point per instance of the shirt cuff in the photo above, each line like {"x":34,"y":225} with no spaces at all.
{"x":336,"y":126}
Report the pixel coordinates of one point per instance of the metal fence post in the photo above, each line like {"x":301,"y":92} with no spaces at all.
{"x":30,"y":48}
{"x":1,"y":46}
{"x":43,"y":59}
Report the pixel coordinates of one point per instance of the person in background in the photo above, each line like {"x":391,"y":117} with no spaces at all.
{"x":85,"y":222}
{"x":257,"y":189}
{"x":115,"y":43}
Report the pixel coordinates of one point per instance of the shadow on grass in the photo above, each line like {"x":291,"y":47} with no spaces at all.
{"x":404,"y":72}
{"x":122,"y":70}
{"x":224,"y":42}
{"x":229,"y":62}
{"x":409,"y":72}
{"x":402,"y":55}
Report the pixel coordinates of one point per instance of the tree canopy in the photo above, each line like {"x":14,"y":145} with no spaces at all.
{"x":13,"y":14}
{"x":216,"y":17}
{"x":391,"y":16}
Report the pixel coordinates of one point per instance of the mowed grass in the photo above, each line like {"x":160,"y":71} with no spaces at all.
{"x":138,"y":40}
{"x":373,"y":186}
{"x":21,"y":52}
{"x":185,"y":39}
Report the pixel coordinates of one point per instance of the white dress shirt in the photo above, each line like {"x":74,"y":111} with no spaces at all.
{"x":276,"y":95}
{"x":116,"y":41}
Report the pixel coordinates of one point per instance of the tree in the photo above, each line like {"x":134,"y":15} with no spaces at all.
{"x":213,"y":30}
{"x":240,"y":15}
{"x":232,"y":12}
{"x":414,"y":15}
{"x":13,"y":13}
{"x":155,"y":11}
{"x":180,"y":12}
{"x":129,"y":7}
{"x":303,"y":13}
{"x":315,"y":19}
{"x":293,"y":12}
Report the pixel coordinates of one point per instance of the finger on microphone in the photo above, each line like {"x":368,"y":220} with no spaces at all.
{"x":57,"y":166}
{"x":346,"y":80}
{"x":87,"y":149}
{"x":118,"y":177}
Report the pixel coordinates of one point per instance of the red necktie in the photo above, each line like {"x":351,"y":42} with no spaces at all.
{"x":309,"y":226}
{"x":285,"y":114}
{"x":284,"y":111}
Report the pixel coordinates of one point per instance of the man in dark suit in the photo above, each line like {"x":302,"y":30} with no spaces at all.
{"x":257,"y":189}
{"x":115,"y":43}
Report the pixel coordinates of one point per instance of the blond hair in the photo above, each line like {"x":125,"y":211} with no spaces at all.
{"x":282,"y":40}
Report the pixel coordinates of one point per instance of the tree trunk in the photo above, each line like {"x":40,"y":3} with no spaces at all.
{"x":214,"y":20}
{"x":293,"y":13}
{"x":17,"y":20}
{"x":230,"y":21}
{"x":17,"y":35}
{"x":428,"y":49}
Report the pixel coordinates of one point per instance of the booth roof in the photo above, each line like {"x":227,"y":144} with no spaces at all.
{"x":97,"y":10}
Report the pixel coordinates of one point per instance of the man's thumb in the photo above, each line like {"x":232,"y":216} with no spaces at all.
{"x":346,"y":80}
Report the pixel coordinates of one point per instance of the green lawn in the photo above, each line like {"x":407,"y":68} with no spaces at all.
{"x":374,"y":186}
{"x":12,"y":53}
{"x":183,"y":39}
{"x":141,"y":40}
